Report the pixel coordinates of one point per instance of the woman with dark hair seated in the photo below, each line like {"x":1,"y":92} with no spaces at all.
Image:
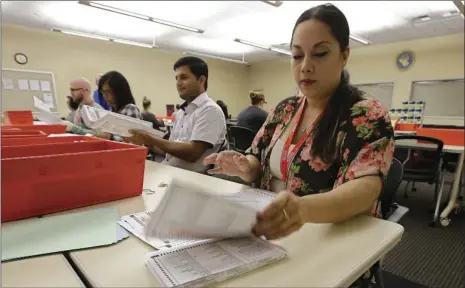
{"x":149,"y":116}
{"x":117,"y":92}
{"x":326,"y":153}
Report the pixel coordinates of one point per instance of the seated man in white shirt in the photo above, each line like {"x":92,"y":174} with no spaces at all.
{"x":200,"y":127}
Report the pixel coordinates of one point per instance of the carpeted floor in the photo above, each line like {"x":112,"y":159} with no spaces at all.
{"x":432,"y":257}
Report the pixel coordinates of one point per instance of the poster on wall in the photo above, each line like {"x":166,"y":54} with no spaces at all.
{"x":169,"y":109}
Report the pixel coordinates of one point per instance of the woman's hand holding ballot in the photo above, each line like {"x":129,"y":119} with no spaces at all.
{"x":283,"y":216}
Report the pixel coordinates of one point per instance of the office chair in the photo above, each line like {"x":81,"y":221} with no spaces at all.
{"x":241,"y":138}
{"x":422,"y":162}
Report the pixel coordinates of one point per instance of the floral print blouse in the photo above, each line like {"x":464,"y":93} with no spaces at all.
{"x":365,"y":142}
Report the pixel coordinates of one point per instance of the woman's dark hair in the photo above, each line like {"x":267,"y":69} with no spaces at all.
{"x":178,"y":106}
{"x":146,"y":103}
{"x":338,"y":108}
{"x":223,"y":107}
{"x":73,"y":105}
{"x":120,"y":88}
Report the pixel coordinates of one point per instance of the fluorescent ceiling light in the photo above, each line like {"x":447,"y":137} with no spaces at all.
{"x":274,"y":3}
{"x":122,"y":41}
{"x":252,"y":44}
{"x":93,"y":36}
{"x":216,"y":57}
{"x":360,"y":39}
{"x":139,"y":16}
{"x":281,"y":51}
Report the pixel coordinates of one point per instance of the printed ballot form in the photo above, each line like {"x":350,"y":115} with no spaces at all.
{"x":203,"y":238}
{"x":187,"y":212}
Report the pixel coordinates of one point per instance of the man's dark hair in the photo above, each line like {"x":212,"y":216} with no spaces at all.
{"x":197,"y":66}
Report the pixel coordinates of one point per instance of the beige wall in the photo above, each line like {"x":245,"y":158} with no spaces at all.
{"x":436,"y":58}
{"x":149,"y":71}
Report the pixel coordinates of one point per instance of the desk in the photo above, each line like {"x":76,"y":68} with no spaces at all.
{"x":320,"y":255}
{"x":45,"y":271}
{"x":405,"y":143}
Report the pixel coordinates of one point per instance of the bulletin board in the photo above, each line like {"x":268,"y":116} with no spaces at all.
{"x":19,"y":87}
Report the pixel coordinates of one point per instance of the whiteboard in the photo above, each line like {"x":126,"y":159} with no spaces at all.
{"x":442,"y":97}
{"x":19,"y":86}
{"x":380,"y":91}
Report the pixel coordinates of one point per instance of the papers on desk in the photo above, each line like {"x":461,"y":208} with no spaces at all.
{"x":187,"y":212}
{"x":203,"y":225}
{"x":212,"y":262}
{"x":59,"y":233}
{"x":135,"y":223}
{"x":115,"y":123}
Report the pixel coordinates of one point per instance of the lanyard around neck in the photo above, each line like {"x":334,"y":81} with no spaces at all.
{"x":286,"y":156}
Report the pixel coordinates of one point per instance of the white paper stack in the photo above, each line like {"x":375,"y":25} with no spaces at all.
{"x":115,"y":123}
{"x":222,"y":222}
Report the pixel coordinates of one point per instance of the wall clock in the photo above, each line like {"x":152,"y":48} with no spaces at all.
{"x":21,"y":58}
{"x":405,"y":60}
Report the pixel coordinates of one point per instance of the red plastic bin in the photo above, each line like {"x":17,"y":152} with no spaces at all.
{"x":46,"y":140}
{"x":18,"y":118}
{"x":42,"y":179}
{"x":47,"y":129}
{"x":22,"y":134}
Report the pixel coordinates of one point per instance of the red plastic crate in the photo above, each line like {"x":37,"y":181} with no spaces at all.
{"x":22,"y":134}
{"x":47,"y":129}
{"x":18,"y":118}
{"x":43,"y":179}
{"x":46,"y":140}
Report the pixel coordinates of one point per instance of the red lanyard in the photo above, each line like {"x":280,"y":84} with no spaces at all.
{"x":286,"y":157}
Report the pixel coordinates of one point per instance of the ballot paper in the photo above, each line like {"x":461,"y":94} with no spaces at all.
{"x":188,"y":212}
{"x":202,"y":265}
{"x":135,"y":224}
{"x":44,"y":112}
{"x":115,"y":123}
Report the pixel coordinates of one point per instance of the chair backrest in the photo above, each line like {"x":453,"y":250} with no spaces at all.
{"x":241,"y":137}
{"x":425,"y":153}
{"x":391,"y":185}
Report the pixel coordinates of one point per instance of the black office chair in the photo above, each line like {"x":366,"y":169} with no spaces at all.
{"x":422,"y":164}
{"x":388,"y":196}
{"x":241,"y":138}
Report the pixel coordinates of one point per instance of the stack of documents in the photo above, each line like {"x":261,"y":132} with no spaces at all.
{"x":220,"y":226}
{"x":115,"y":123}
{"x":59,"y":233}
{"x":45,"y":115}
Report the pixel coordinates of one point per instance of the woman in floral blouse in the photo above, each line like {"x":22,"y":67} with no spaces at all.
{"x":331,"y":139}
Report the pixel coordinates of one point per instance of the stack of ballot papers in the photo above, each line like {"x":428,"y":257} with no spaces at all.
{"x":38,"y":236}
{"x":216,"y":229}
{"x":45,"y":115}
{"x":114,"y":123}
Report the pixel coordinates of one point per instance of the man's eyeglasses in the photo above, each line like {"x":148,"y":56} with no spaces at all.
{"x":75,"y":89}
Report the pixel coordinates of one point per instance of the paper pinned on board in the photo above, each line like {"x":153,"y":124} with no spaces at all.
{"x":48,"y":100}
{"x":8,"y":84}
{"x":34,"y":84}
{"x":45,"y":86}
{"x":23,"y":84}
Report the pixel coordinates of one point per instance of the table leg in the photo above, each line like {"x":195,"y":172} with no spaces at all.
{"x":455,"y":188}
